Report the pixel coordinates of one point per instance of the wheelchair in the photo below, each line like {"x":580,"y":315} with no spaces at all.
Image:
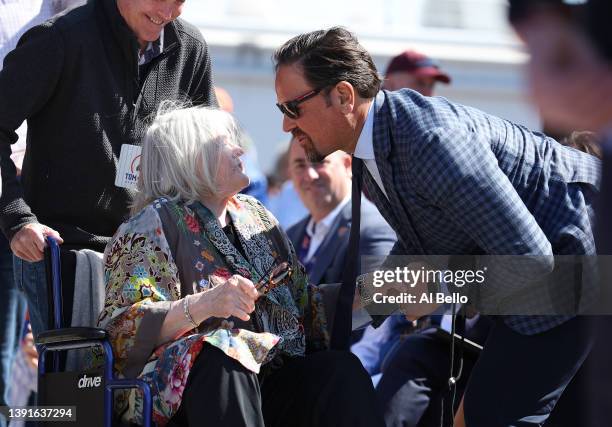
{"x":88,"y":393}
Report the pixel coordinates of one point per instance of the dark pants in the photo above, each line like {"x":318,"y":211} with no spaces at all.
{"x":323,"y":389}
{"x":12,"y":316}
{"x":415,"y":377}
{"x":587,"y":399}
{"x":518,"y":379}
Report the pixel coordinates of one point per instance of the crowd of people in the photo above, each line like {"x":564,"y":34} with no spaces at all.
{"x":241,"y":306}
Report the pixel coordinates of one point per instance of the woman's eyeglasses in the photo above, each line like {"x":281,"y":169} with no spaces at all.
{"x":273,"y":278}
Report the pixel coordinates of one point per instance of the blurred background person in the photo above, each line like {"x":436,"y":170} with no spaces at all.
{"x":570,"y":76}
{"x":586,"y":141}
{"x":321,"y":238}
{"x":283,"y":199}
{"x":24,"y":376}
{"x":414,"y":70}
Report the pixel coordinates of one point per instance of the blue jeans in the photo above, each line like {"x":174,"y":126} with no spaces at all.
{"x":31,"y":278}
{"x":12,"y":316}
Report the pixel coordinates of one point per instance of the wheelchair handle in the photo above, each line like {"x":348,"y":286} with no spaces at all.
{"x":56,"y":281}
{"x":72,"y":338}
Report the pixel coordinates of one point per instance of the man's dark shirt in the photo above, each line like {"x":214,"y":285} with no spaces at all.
{"x":76,"y":80}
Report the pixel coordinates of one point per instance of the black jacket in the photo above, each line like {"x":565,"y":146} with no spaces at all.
{"x":76,"y":80}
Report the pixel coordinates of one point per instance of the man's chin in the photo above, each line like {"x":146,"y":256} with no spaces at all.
{"x":311,"y":151}
{"x":314,"y":156}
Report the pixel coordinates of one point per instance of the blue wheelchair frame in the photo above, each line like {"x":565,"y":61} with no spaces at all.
{"x":63,"y":339}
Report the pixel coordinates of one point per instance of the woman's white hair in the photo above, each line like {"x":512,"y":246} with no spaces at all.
{"x":180,"y":153}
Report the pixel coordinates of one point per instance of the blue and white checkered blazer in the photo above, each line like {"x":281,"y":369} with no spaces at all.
{"x":460,"y":181}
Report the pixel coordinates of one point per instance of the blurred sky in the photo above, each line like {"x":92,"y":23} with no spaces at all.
{"x":379,"y":18}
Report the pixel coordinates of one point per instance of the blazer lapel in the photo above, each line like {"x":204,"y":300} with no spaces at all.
{"x":297,"y":232}
{"x":338,"y":232}
{"x":392,"y":208}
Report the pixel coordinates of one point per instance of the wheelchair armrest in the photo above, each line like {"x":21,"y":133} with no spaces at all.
{"x":71,"y":335}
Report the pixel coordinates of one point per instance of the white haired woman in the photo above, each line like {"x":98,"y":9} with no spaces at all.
{"x":190,"y":306}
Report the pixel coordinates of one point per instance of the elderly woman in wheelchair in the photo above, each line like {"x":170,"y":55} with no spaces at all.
{"x":206,"y":301}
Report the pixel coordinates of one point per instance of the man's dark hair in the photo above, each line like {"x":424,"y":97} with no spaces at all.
{"x":572,"y":11}
{"x":591,"y":16}
{"x":585,"y":141}
{"x":598,"y":26}
{"x":331,"y":56}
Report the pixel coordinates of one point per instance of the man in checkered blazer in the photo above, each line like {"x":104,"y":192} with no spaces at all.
{"x":452,"y":180}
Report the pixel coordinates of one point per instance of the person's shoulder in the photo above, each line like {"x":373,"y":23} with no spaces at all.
{"x":298,"y":227}
{"x":148,"y":219}
{"x":413,"y":113}
{"x":75,"y":19}
{"x":368,"y":208}
{"x":377,"y":236}
{"x":372,"y":219}
{"x":62,"y":29}
{"x":189,"y":33}
{"x":143,"y":231}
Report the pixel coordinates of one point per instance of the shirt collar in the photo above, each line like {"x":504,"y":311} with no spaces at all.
{"x":365,"y":144}
{"x":325,"y":224}
{"x":153,"y":50}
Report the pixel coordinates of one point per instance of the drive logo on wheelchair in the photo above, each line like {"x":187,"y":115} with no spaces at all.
{"x":89,"y":382}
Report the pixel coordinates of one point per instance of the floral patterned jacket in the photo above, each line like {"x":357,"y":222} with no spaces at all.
{"x":171,"y":249}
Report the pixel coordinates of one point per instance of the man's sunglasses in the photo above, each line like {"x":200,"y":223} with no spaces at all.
{"x":290,"y":108}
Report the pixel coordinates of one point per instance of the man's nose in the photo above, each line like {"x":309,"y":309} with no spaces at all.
{"x":166,"y":11}
{"x":288,"y":123}
{"x":311,"y":172}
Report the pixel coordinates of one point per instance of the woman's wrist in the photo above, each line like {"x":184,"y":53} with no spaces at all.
{"x":187,"y":312}
{"x":199,"y":307}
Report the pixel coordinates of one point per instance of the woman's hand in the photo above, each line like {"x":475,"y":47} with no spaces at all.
{"x":235,"y":297}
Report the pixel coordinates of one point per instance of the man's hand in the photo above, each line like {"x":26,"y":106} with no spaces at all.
{"x":394,"y":289}
{"x":415,"y":310}
{"x":29,"y":242}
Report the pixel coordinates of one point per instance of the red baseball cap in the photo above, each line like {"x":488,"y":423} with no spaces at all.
{"x":417,"y":63}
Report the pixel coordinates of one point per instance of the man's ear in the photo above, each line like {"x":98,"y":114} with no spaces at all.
{"x":348,"y":162}
{"x":345,"y":96}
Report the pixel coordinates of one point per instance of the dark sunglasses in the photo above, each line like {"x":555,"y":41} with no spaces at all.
{"x":290,"y":108}
{"x":273,"y":278}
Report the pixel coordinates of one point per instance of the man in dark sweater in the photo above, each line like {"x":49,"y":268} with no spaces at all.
{"x":86,"y":82}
